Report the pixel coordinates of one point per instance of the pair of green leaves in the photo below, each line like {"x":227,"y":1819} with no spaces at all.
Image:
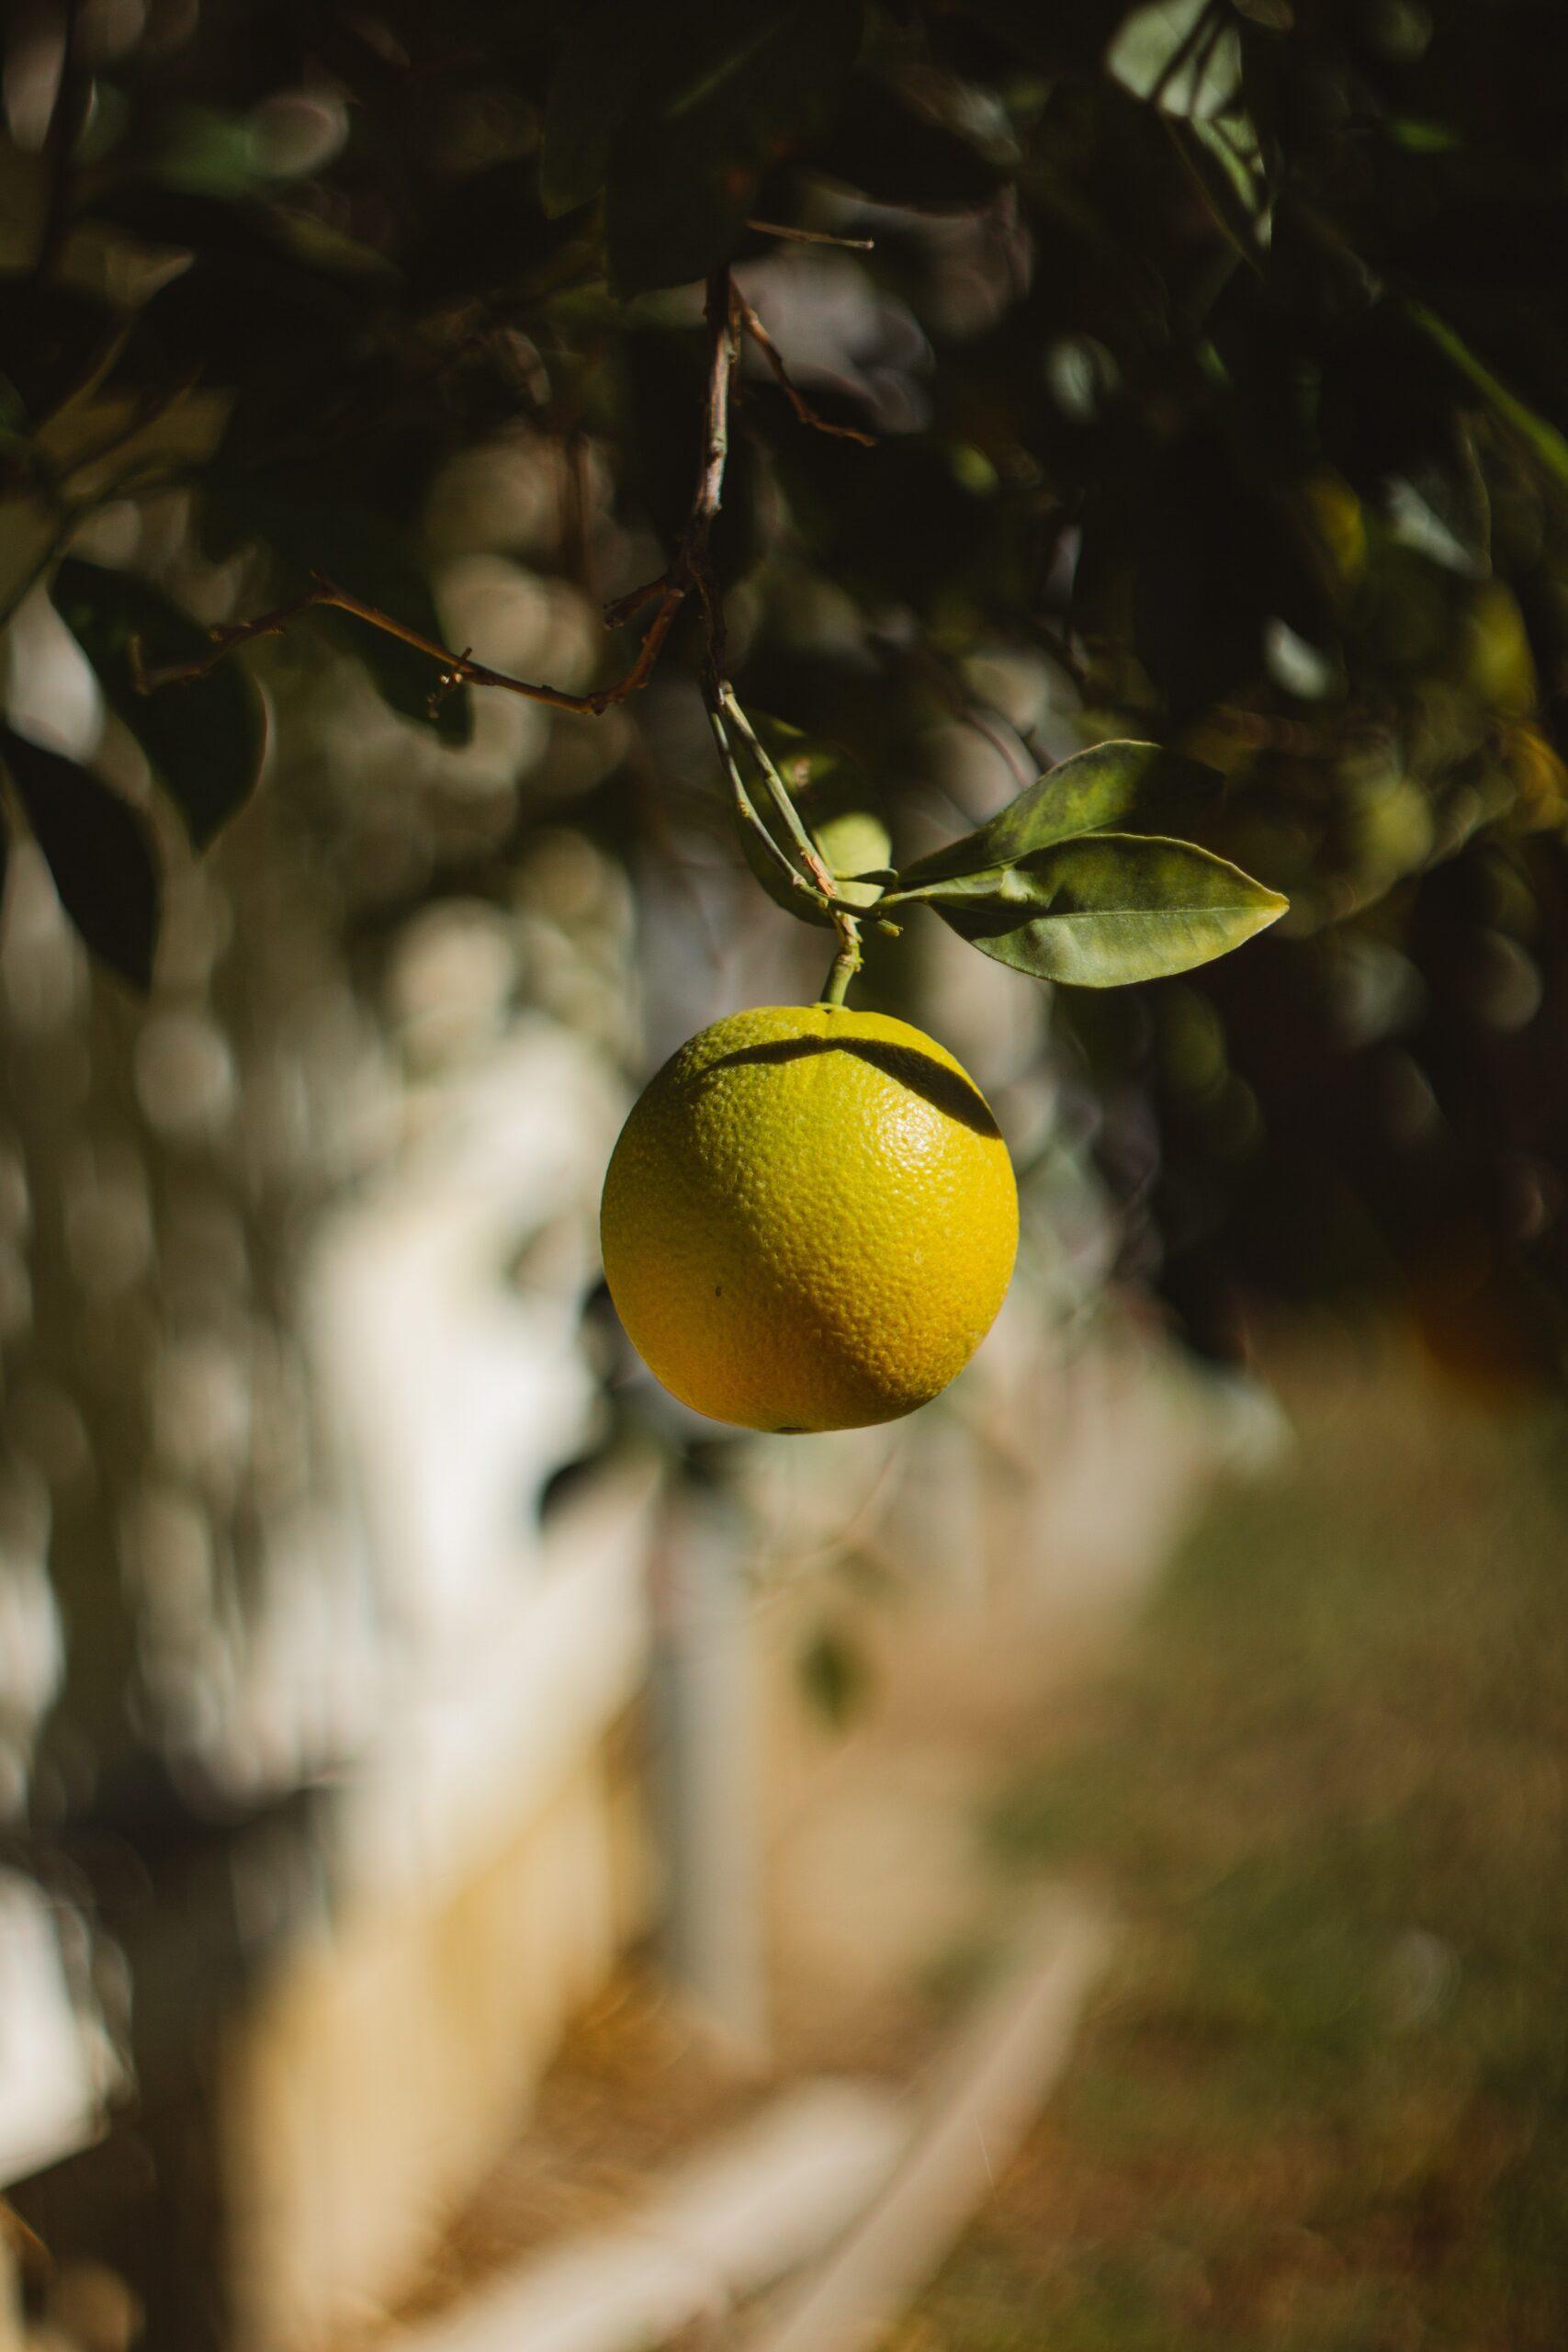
{"x":204,"y":742}
{"x":1081,"y":879}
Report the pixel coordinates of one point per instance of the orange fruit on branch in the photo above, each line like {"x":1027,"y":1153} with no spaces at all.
{"x":809,"y":1220}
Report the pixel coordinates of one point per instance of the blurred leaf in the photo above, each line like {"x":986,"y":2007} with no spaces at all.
{"x":205,"y":151}
{"x":1482,"y":244}
{"x":807,"y":762}
{"x":1111,"y":788}
{"x":363,"y":551}
{"x":610,"y":55}
{"x":54,"y":339}
{"x":851,"y":840}
{"x":204,"y":740}
{"x":1444,"y":514}
{"x":1055,"y":38}
{"x":99,"y":853}
{"x":740,"y":87}
{"x":260,"y":308}
{"x":1184,"y":55}
{"x":765,"y":868}
{"x":825,"y":779}
{"x":903,"y":148}
{"x":488,"y":231}
{"x":1225,"y":159}
{"x":1108,"y":909}
{"x":835,"y":1677}
{"x":897,"y":519}
{"x":856,"y":841}
{"x":1543,"y":440}
{"x":765,"y":871}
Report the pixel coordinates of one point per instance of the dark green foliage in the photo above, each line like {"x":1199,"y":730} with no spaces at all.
{"x":98,"y":852}
{"x":204,"y":743}
{"x":676,"y":114}
{"x":369,"y":555}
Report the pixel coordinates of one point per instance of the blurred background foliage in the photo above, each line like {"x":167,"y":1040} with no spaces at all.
{"x":1216,"y":359}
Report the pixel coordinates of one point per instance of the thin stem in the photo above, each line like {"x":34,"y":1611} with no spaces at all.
{"x":746,"y":811}
{"x":811,"y":236}
{"x":778,"y":792}
{"x":845,"y":964}
{"x":797,"y":399}
{"x":456,"y":669}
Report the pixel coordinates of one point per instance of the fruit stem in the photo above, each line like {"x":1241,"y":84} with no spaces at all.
{"x":845,"y":964}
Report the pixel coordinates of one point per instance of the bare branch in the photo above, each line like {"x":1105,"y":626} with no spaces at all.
{"x":456,"y":669}
{"x":797,"y":399}
{"x":727,"y":317}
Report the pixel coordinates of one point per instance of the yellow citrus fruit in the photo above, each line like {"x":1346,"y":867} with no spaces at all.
{"x":809,"y":1220}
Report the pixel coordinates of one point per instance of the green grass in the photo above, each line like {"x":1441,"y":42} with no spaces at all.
{"x":1323,"y":2105}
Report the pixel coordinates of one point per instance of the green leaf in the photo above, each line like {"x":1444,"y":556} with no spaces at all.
{"x":204,"y":740}
{"x":808,"y":763}
{"x":99,"y":853}
{"x":1184,"y":55}
{"x":854,"y":842}
{"x":363,"y":553}
{"x":742,"y":86}
{"x":605,"y":64}
{"x":930,"y":145}
{"x":1111,"y":788}
{"x":851,"y":840}
{"x":1108,"y":909}
{"x":1225,"y":160}
{"x":765,"y":871}
{"x":54,"y":339}
{"x":1044,"y":35}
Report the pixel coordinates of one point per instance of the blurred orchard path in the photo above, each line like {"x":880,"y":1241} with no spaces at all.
{"x":1322,"y":2099}
{"x":1005,"y":1579}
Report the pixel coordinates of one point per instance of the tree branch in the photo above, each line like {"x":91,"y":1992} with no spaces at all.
{"x":687,"y":572}
{"x":728,"y":316}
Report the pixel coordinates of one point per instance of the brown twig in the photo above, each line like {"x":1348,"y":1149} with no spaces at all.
{"x":687,"y":572}
{"x":728,"y":316}
{"x":811,"y":236}
{"x":456,"y":669}
{"x":797,"y":399}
